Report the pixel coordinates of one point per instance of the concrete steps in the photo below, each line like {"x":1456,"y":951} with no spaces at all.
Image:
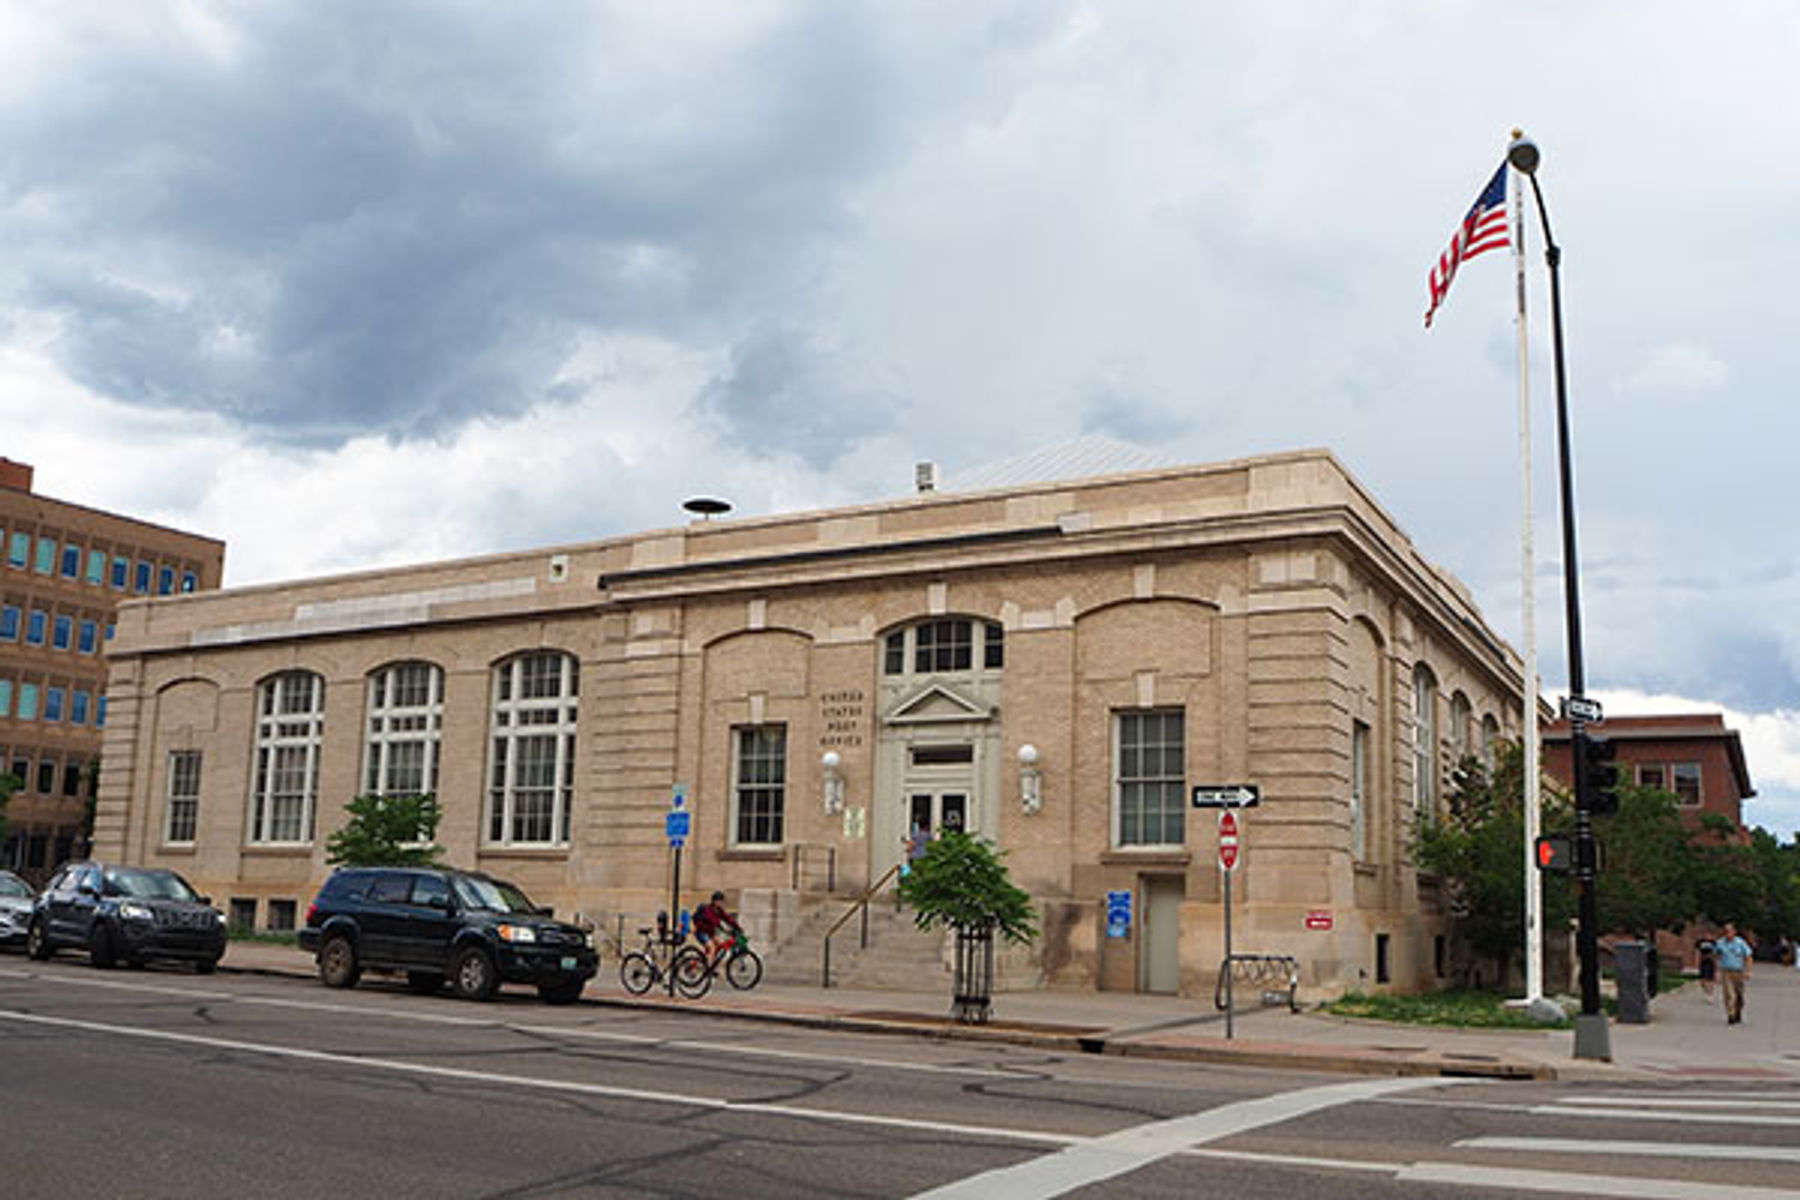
{"x":898,"y":956}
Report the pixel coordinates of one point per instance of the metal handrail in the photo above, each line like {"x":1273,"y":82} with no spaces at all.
{"x":860,"y":904}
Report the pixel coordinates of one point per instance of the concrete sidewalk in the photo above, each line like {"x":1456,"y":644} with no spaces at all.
{"x":1687,"y":1037}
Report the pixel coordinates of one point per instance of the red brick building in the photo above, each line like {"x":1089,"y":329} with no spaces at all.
{"x":1693,"y":755}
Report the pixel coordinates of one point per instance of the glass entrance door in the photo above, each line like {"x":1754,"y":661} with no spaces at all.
{"x":938,"y":812}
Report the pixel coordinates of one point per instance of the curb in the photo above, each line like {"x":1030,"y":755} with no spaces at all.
{"x":1072,"y":1039}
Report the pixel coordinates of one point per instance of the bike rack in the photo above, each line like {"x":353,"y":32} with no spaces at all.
{"x":1277,"y":976}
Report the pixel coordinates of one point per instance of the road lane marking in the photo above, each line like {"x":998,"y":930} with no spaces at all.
{"x":1681,"y":1102}
{"x":414,"y":1017}
{"x":552,"y":1085}
{"x":1096,"y":1160}
{"x":1574,"y":1183}
{"x":1637,"y":1114}
{"x":1589,"y":1146}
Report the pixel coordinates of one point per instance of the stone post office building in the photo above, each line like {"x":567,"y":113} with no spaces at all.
{"x":1053,"y":666}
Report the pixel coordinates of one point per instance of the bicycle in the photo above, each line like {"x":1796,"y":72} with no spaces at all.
{"x":742,"y":966}
{"x":643,"y":969}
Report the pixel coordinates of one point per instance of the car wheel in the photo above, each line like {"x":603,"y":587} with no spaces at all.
{"x":338,"y":967}
{"x":100,"y":946}
{"x":37,"y":942}
{"x":566,"y":992}
{"x":693,"y":974}
{"x":426,"y":983}
{"x":472,"y":974}
{"x":744,"y":970}
{"x":206,"y":966}
{"x":636,"y":973}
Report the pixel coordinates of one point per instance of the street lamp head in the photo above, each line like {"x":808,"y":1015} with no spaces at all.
{"x":1523,"y":154}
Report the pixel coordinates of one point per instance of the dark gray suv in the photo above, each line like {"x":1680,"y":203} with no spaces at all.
{"x":125,"y":914}
{"x":437,"y":924}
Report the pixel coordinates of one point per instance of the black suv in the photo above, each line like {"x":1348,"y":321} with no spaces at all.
{"x":125,"y":914}
{"x":435,"y":923}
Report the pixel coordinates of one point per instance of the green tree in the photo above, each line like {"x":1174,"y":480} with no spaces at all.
{"x":386,"y":831}
{"x":961,"y":881}
{"x":1648,"y":864}
{"x":8,"y":785}
{"x":1478,"y":852}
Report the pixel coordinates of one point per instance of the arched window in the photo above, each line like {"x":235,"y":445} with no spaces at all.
{"x":406,"y":719}
{"x":1424,"y":743}
{"x":1490,"y":736}
{"x":1460,"y":716}
{"x":943,"y":646}
{"x":290,"y":724}
{"x":531,"y":770}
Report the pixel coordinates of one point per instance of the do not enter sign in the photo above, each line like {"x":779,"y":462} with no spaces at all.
{"x":1228,"y":840}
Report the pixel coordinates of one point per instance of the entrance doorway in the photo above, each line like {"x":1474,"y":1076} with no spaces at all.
{"x":937,"y":812}
{"x":1159,"y":953}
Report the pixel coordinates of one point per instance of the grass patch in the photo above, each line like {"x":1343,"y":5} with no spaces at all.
{"x":1455,"y":1009}
{"x":263,"y":936}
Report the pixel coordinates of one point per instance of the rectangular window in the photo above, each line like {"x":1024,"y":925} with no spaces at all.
{"x":1150,"y":777}
{"x":28,"y":693}
{"x":1687,"y":783}
{"x":72,"y":780}
{"x":71,"y":562}
{"x":6,"y":687}
{"x":46,"y":776}
{"x":1652,"y":775}
{"x":19,"y":552}
{"x":190,"y":582}
{"x":184,"y":795}
{"x":243,"y":913}
{"x":96,"y":569}
{"x":100,"y":713}
{"x":894,"y":658}
{"x":760,"y":786}
{"x":46,"y":556}
{"x":281,"y":916}
{"x":943,"y":646}
{"x":1359,"y":791}
{"x":37,"y":626}
{"x":993,"y":646}
{"x":63,"y":633}
{"x":121,"y":568}
{"x":9,"y":623}
{"x":79,"y":700}
{"x":89,"y":638}
{"x":141,"y":582}
{"x":165,"y":581}
{"x":53,"y":703}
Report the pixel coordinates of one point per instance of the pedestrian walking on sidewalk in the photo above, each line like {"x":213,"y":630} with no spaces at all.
{"x":1734,"y":968}
{"x":1709,"y":968}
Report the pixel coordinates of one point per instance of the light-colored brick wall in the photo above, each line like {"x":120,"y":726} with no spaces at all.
{"x":1270,"y":600}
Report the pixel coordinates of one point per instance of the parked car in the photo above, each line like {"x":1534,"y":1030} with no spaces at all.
{"x":437,"y":924}
{"x":125,"y":914}
{"x":15,"y":908}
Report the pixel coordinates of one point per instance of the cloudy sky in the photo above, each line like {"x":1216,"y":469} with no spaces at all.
{"x":361,"y":284}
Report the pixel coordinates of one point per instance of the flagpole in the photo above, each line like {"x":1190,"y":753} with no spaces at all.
{"x":1534,"y":892}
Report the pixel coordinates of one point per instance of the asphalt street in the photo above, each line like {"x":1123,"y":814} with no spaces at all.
{"x":162,"y":1083}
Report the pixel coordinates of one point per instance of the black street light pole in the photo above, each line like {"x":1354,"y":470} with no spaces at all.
{"x":1591,"y":1036}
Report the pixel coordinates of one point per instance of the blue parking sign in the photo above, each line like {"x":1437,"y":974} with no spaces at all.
{"x":1118,"y":914}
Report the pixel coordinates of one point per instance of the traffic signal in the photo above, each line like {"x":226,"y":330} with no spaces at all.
{"x":1598,"y":788}
{"x":1556,"y":852}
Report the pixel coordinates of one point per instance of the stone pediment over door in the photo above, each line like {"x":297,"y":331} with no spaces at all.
{"x":937,"y":705}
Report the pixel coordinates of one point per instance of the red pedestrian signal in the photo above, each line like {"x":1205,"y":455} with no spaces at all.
{"x":1555,"y":853}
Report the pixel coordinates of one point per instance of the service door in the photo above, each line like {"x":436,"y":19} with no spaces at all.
{"x":1159,"y":952}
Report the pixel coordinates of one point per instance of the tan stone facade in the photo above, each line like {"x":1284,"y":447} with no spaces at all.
{"x":1257,"y":621}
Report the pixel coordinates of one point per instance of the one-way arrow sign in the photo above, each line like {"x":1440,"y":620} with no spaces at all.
{"x":1226,"y":795}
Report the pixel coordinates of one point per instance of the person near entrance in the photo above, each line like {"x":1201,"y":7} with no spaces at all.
{"x":1733,"y":953}
{"x":709,"y":919}
{"x":915,"y":844}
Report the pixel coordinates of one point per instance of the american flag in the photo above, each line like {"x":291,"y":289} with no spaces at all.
{"x":1483,"y":229}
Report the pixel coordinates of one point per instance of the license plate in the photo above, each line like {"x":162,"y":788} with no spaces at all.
{"x":569,"y":963}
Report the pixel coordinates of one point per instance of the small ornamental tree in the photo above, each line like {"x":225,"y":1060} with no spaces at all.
{"x":386,"y":831}
{"x":961,"y":881}
{"x":8,"y":785}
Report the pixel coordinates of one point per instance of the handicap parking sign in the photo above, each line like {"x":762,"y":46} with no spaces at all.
{"x":1118,"y":914}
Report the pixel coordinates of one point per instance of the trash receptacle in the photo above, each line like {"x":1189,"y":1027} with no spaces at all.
{"x":1631,"y":961}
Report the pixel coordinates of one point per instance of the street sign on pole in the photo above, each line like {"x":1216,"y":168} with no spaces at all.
{"x":1226,"y":795}
{"x":1581,"y":708}
{"x":1228,"y":840}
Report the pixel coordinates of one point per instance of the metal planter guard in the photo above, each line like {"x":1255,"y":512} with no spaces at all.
{"x":972,"y":980}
